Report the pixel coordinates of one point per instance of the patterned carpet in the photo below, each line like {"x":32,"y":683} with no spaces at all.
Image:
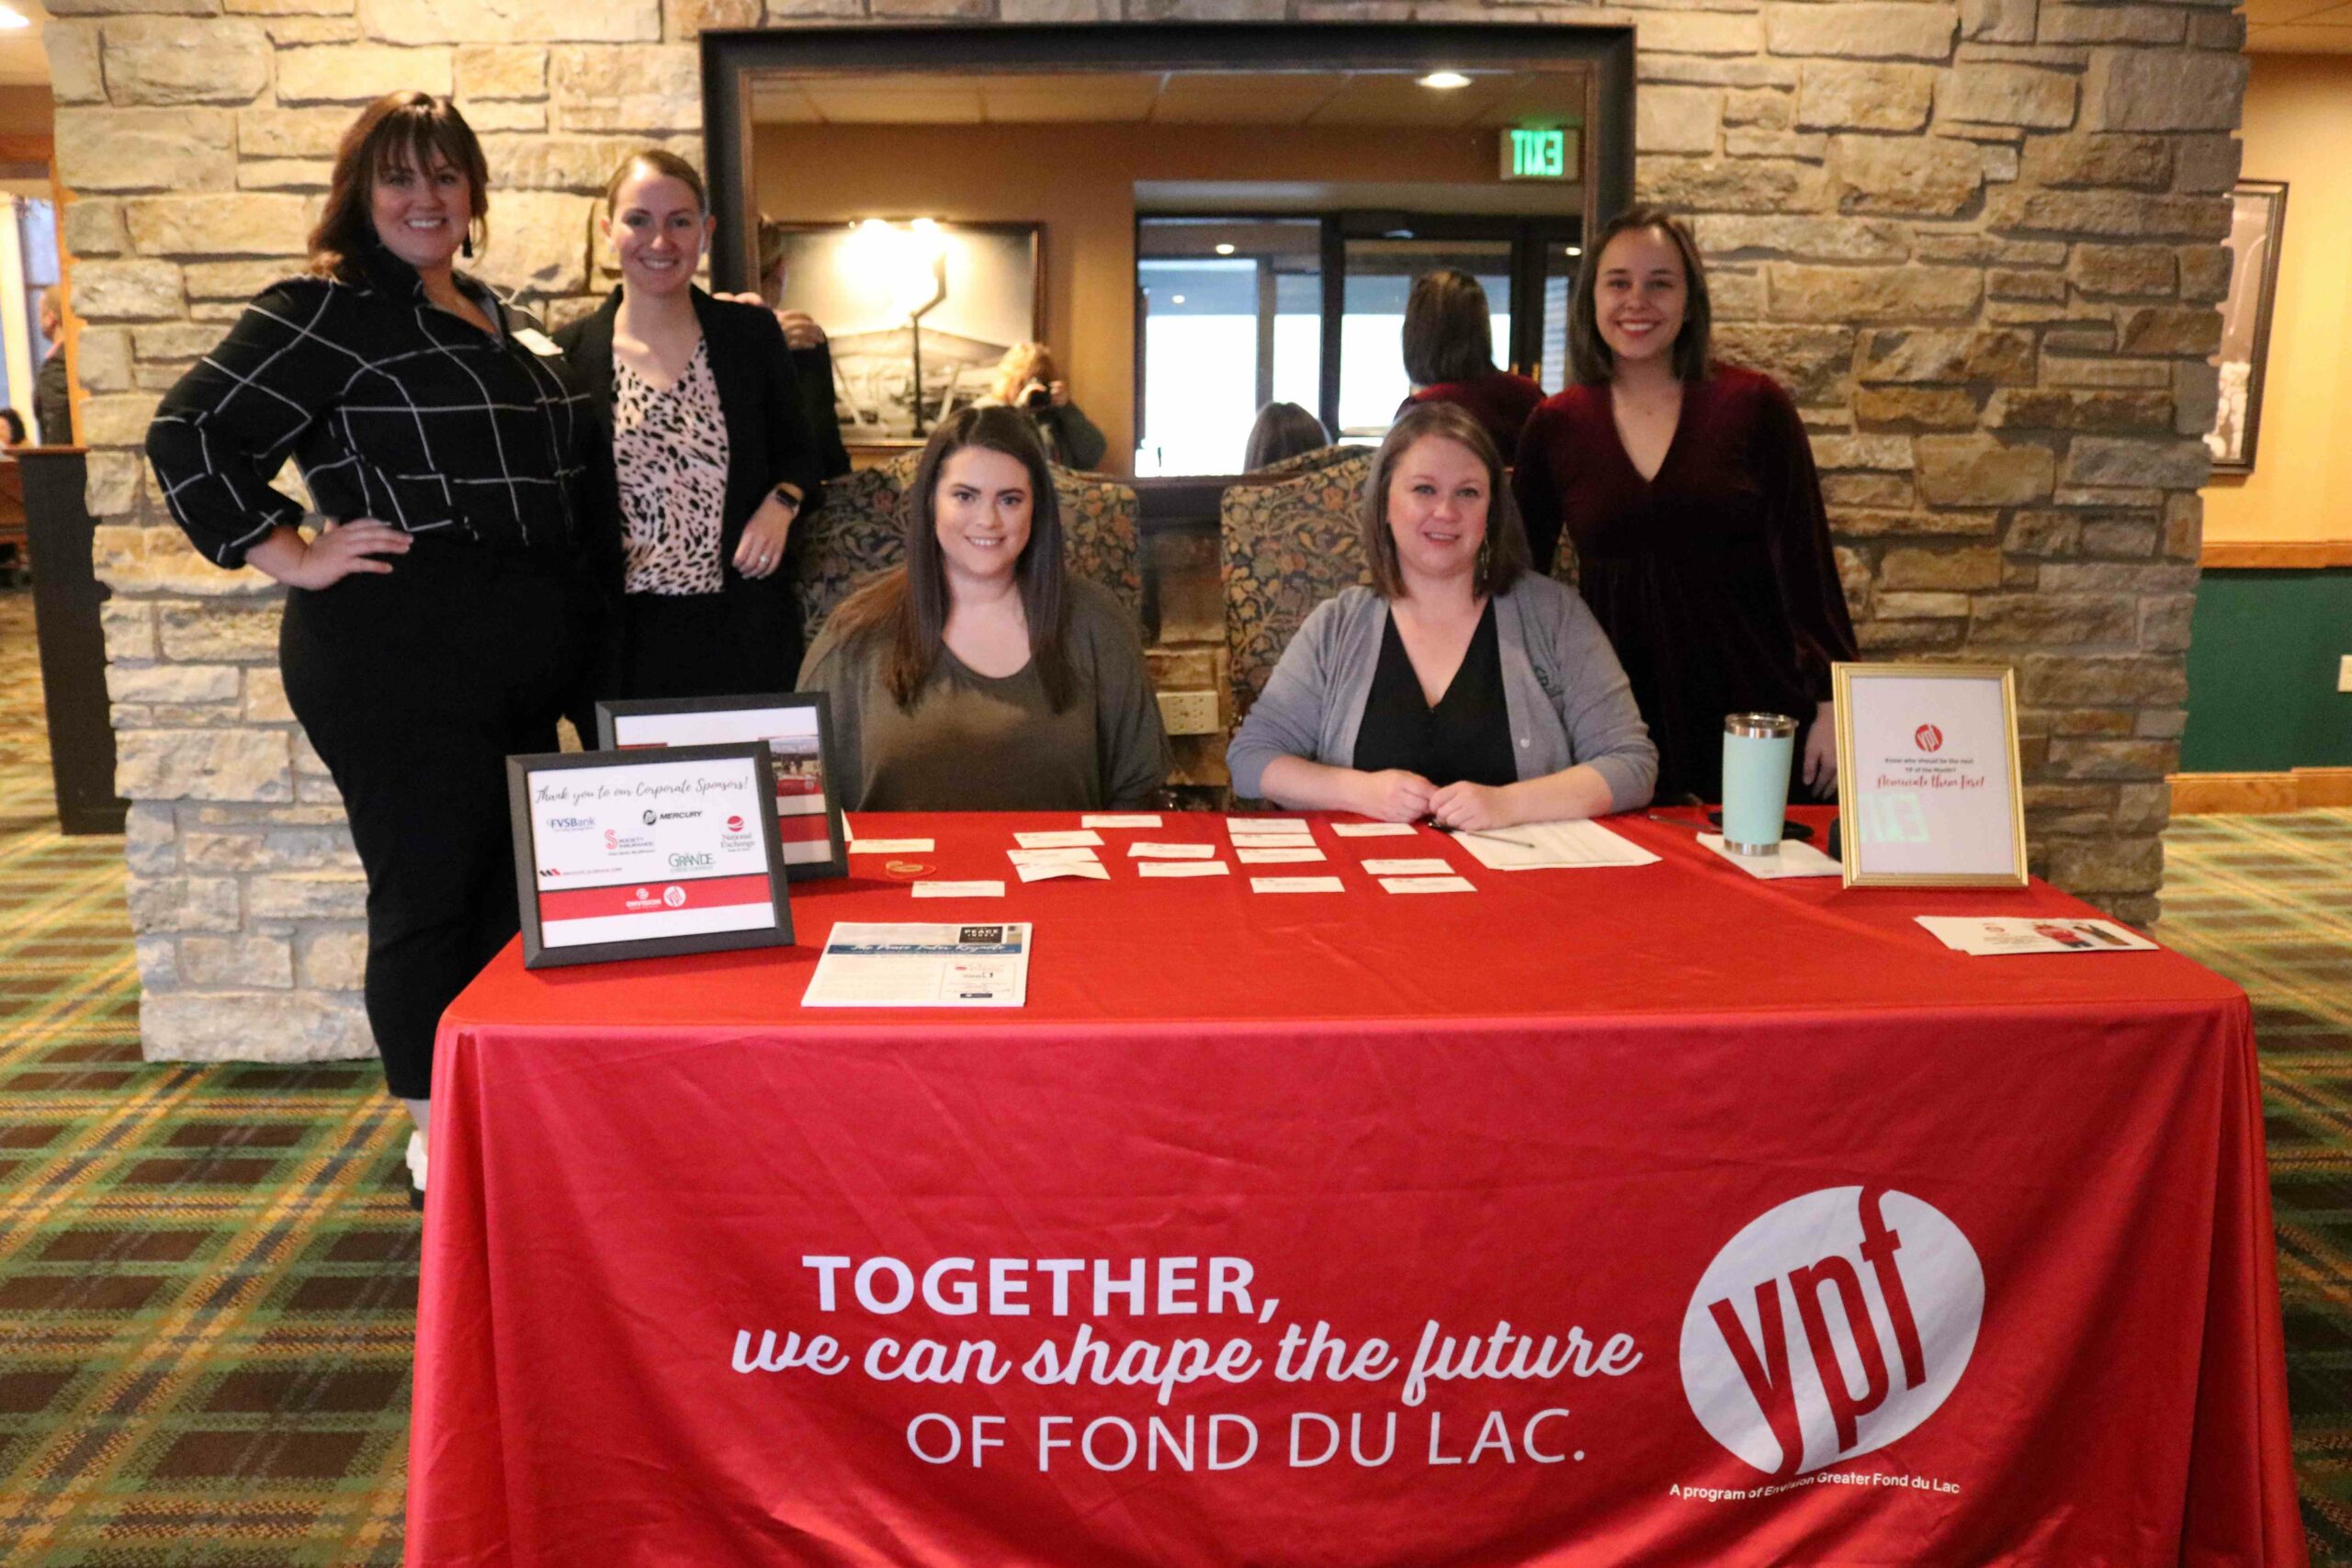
{"x":208,"y":1275}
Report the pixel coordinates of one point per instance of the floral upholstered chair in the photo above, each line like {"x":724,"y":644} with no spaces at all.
{"x":1313,"y":460}
{"x":854,"y":535}
{"x":1099,"y":529}
{"x":1288,"y":547}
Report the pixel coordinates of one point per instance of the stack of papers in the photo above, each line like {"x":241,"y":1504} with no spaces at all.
{"x":1042,"y":864}
{"x":1796,"y":858}
{"x":1982,"y":936}
{"x":922,"y":966}
{"x":1541,"y":846}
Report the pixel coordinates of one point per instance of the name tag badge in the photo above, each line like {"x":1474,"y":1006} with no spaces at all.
{"x":538,"y":342}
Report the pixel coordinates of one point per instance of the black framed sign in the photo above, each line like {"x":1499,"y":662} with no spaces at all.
{"x":799,"y":729}
{"x":627,"y":855}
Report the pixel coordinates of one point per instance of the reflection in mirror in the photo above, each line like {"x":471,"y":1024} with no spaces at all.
{"x":1189,"y":245}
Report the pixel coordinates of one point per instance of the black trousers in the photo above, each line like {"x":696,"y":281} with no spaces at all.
{"x":414,"y":687}
{"x":707,"y":645}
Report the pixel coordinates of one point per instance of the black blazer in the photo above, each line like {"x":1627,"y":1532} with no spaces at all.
{"x":768,"y":439}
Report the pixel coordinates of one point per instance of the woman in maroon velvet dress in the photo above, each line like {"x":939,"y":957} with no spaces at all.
{"x":1450,"y":356}
{"x":1688,"y":491}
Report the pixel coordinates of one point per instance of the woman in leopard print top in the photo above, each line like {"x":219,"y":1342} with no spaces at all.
{"x":713,"y":458}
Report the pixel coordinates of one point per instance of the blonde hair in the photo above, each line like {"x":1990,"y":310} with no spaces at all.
{"x":1022,"y":364}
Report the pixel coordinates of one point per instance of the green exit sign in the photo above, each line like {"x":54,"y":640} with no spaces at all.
{"x":1538,"y":154}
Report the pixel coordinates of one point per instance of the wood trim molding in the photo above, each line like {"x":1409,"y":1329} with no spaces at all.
{"x":2254,"y":795}
{"x":2292,"y":555}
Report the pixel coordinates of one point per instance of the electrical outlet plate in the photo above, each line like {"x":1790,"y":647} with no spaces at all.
{"x":1188,"y":713}
{"x":2344,"y":674}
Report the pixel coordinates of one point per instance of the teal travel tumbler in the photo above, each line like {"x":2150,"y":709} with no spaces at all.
{"x":1758,"y":749}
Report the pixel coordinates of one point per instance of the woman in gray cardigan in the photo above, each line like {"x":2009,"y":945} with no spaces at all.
{"x":1460,"y":687}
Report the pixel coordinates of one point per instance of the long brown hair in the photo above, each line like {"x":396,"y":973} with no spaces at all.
{"x":404,"y":128}
{"x":1590,"y":359}
{"x":1501,"y":559}
{"x":910,"y":606}
{"x":1449,"y":331}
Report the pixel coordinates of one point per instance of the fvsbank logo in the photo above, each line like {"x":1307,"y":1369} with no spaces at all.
{"x":1830,"y":1327}
{"x":1929,"y":737}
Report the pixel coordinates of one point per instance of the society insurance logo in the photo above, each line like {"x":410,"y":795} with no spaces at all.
{"x":1830,"y":1327}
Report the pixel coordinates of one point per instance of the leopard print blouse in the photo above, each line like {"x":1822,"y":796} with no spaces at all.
{"x":669,"y":448}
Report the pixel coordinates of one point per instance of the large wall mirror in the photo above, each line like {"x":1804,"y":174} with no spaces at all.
{"x":1196,"y":219}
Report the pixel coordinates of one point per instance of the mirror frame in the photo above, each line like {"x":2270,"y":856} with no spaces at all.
{"x":730,"y":55}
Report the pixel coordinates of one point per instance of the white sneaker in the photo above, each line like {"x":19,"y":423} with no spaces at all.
{"x":416,"y":1161}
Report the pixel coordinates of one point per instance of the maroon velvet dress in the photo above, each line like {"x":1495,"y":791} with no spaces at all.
{"x":1502,"y":402}
{"x":1715,"y":579}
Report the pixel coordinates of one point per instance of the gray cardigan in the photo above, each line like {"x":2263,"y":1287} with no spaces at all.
{"x":1564,"y":694}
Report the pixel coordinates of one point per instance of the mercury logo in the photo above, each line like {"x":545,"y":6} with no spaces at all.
{"x":1830,"y":1327}
{"x":1929,"y":737}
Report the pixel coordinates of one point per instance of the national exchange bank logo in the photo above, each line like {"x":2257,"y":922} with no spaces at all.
{"x":1830,"y":1327}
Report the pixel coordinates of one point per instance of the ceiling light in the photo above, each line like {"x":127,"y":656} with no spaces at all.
{"x":1445,"y":79}
{"x":1225,"y":250}
{"x":1175,"y":298}
{"x":1573,"y":249}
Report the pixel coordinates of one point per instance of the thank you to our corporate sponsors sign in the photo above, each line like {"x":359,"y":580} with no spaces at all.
{"x":619,"y":855}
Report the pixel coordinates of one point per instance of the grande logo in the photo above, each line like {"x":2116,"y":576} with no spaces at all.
{"x":1830,"y":1327}
{"x":1929,"y":737}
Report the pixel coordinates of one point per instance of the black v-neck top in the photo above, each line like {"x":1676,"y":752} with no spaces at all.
{"x":1466,"y":736}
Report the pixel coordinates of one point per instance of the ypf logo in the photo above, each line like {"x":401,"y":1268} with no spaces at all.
{"x":1929,"y":737}
{"x":674,"y":896}
{"x":1830,"y":1327}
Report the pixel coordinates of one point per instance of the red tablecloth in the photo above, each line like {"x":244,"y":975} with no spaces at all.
{"x":1691,"y":1137}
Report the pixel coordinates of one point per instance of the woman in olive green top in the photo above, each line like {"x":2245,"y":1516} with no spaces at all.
{"x":978,"y":676}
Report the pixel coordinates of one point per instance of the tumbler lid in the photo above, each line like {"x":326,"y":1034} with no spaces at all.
{"x":1759,"y":725}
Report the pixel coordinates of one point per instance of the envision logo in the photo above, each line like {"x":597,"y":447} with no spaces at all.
{"x":1830,"y":1327}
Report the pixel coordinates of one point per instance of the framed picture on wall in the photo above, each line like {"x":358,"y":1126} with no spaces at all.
{"x":917,"y":314}
{"x":2258,"y":225}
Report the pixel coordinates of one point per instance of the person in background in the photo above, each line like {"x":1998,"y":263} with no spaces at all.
{"x":980,"y":676}
{"x":711,"y":455}
{"x":1461,"y":686}
{"x":1026,"y":379}
{"x":812,"y":355}
{"x":1284,"y":430}
{"x":1689,"y":490}
{"x":438,"y":621}
{"x":52,"y":399}
{"x":1450,"y":357}
{"x":12,"y":429}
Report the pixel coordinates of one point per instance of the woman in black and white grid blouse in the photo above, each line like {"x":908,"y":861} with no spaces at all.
{"x":442,"y":618}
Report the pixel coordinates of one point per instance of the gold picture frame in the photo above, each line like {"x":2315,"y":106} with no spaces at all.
{"x":1891,"y":818}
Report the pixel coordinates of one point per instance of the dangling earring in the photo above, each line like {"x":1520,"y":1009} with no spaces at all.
{"x":1486,"y":556}
{"x":466,"y":250}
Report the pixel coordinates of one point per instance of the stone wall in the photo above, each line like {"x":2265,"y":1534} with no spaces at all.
{"x":1979,"y":239}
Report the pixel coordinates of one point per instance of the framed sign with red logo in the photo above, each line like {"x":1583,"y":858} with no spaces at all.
{"x":799,"y":729}
{"x":630,"y":855}
{"x":1929,"y":786}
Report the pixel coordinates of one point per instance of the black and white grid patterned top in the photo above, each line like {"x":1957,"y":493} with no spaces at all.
{"x":391,"y":407}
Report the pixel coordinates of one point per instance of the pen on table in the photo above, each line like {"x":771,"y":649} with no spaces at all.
{"x":1675,"y":822}
{"x":1476,"y":833}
